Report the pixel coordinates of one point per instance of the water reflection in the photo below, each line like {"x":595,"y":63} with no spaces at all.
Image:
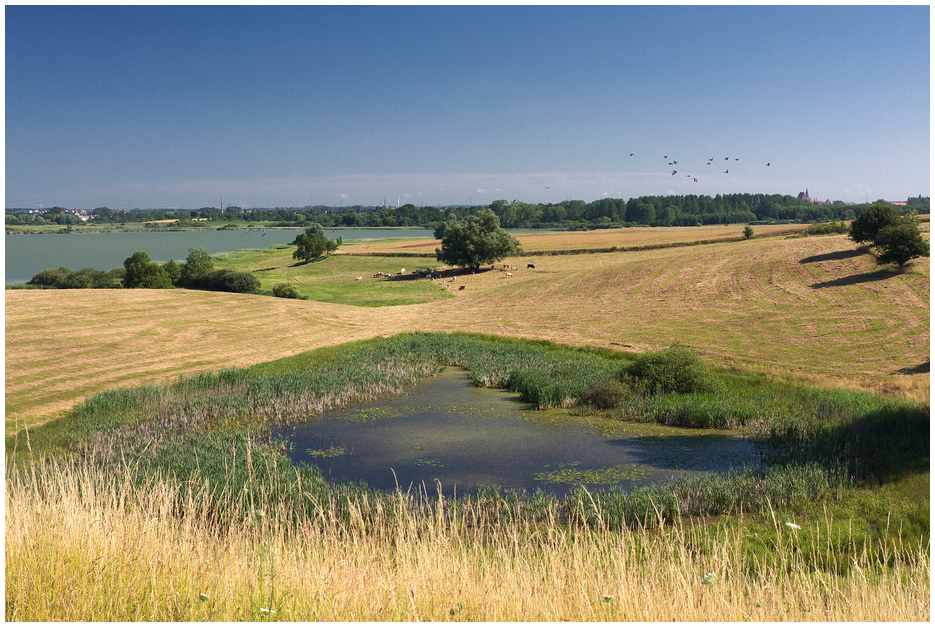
{"x":445,"y":430}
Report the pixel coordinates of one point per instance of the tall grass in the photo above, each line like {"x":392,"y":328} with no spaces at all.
{"x":83,"y":544}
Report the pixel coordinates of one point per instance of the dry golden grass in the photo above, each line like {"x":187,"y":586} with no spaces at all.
{"x":807,"y":308}
{"x":77,"y":550}
{"x":586,"y":240}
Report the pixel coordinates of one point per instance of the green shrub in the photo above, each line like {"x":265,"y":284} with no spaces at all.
{"x":50,"y":277}
{"x":285,"y":290}
{"x":607,"y":394}
{"x":828,"y":228}
{"x":86,"y":278}
{"x":674,"y":369}
{"x":234,"y":281}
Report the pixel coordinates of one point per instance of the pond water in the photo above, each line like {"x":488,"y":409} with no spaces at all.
{"x":447,"y":431}
{"x":28,"y":254}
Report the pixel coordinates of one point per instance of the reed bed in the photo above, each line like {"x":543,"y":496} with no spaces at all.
{"x":82,"y":544}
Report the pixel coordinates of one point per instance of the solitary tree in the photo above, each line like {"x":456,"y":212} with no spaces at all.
{"x":871,"y":221}
{"x":313,"y":243}
{"x":474,"y":241}
{"x":901,"y":242}
{"x":895,"y":239}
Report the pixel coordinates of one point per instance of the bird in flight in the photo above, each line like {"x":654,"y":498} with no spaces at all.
{"x":632,"y":155}
{"x":767,"y":164}
{"x":674,"y":172}
{"x":726,"y":171}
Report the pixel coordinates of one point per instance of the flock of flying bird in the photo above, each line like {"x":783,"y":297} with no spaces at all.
{"x":692,"y":177}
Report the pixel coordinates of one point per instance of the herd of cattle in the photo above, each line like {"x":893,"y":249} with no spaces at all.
{"x":433,"y":273}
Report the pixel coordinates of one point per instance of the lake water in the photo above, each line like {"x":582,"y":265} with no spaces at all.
{"x":448,"y":431}
{"x":26,"y":255}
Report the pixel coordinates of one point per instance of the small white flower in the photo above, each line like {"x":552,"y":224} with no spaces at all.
{"x":266,"y":611}
{"x":708,"y":579}
{"x":608,"y":598}
{"x":793,"y":525}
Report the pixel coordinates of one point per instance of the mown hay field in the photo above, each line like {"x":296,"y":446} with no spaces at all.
{"x":806,"y":308}
{"x":554,"y":241}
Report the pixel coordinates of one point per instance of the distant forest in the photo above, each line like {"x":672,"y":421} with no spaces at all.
{"x":687,"y":210}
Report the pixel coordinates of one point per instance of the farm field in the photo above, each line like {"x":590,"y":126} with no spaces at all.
{"x":805,"y":308}
{"x":553,"y":241}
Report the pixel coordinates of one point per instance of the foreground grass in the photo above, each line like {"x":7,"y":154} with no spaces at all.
{"x":83,"y":547}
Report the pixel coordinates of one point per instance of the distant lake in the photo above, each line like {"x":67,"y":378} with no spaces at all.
{"x":27,"y":255}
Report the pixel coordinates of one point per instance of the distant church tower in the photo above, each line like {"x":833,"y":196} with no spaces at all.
{"x":804,"y":195}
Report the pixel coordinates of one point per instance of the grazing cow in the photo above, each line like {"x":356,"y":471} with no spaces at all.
{"x":460,"y":287}
{"x":529,"y":265}
{"x":360,"y":278}
{"x":509,"y":275}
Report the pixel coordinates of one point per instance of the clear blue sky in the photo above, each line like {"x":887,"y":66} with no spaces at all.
{"x":176,"y":106}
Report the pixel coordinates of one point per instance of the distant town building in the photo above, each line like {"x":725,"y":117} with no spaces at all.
{"x":804,"y":196}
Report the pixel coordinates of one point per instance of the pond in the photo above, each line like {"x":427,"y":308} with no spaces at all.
{"x":447,"y":431}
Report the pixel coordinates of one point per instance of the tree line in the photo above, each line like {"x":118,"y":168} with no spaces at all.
{"x":673,"y":210}
{"x":139,"y":271}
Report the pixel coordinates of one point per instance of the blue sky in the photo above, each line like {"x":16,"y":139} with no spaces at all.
{"x":176,"y":106}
